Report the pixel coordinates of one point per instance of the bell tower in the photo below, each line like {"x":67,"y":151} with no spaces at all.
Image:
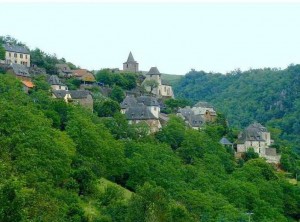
{"x":131,"y":65}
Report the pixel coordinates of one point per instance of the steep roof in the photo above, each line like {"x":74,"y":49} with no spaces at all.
{"x":225,"y":141}
{"x":79,"y":94}
{"x":130,"y":58}
{"x":192,"y":119}
{"x":15,"y":48}
{"x":60,"y":93}
{"x":75,"y":94}
{"x":80,"y":72}
{"x":148,"y":100}
{"x":129,"y":101}
{"x":252,"y":133}
{"x":139,"y":112}
{"x":20,"y":70}
{"x":153,"y":71}
{"x":54,"y":80}
{"x":29,"y":84}
{"x":203,"y":104}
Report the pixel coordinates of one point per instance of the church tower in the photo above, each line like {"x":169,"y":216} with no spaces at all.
{"x":131,"y":65}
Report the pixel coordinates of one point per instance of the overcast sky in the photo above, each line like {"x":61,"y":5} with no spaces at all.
{"x":175,"y":37}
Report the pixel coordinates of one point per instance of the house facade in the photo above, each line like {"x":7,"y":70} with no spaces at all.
{"x":257,"y":137}
{"x":162,"y":90}
{"x":16,"y":54}
{"x":56,"y":84}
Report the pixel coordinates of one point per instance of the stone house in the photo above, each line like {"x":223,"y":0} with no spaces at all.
{"x":20,"y":71}
{"x":84,"y":75}
{"x":64,"y":70}
{"x":131,"y":65}
{"x":142,"y":109}
{"x":16,"y":54}
{"x":81,"y":97}
{"x":257,"y":137}
{"x":205,"y":110}
{"x":56,"y":84}
{"x":162,"y":90}
{"x":193,"y":120}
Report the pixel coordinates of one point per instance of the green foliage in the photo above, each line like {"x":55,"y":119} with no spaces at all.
{"x":117,"y":94}
{"x":251,"y":154}
{"x":173,"y":104}
{"x":267,"y":95}
{"x":2,"y":52}
{"x":126,"y":81}
{"x":173,"y":133}
{"x":150,"y":83}
{"x":52,"y":156}
{"x":106,"y":108}
{"x":73,"y":83}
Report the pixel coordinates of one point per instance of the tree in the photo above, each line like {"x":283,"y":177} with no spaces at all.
{"x":150,"y":83}
{"x":117,"y":94}
{"x":2,"y":52}
{"x":106,"y":108}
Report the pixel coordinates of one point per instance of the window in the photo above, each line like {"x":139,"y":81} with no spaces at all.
{"x":25,"y":56}
{"x":15,"y":61}
{"x":9,"y":54}
{"x":15,"y":55}
{"x":21,"y":56}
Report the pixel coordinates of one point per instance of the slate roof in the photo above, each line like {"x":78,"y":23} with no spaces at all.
{"x":15,"y":48}
{"x":79,"y":94}
{"x":75,"y":94}
{"x":54,"y":80}
{"x":148,"y":100}
{"x":20,"y":70}
{"x":203,"y":104}
{"x":191,"y":118}
{"x":252,"y":133}
{"x":60,"y":93}
{"x":130,"y":58}
{"x":129,"y":101}
{"x":139,"y":112}
{"x":64,"y":68}
{"x":153,"y":71}
{"x":225,"y":141}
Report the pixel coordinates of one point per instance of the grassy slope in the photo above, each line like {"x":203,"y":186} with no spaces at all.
{"x":89,"y":203}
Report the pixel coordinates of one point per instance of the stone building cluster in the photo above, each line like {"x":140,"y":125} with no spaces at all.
{"x":198,"y":115}
{"x":142,"y":109}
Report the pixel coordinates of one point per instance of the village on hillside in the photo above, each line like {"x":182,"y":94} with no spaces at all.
{"x":141,"y":104}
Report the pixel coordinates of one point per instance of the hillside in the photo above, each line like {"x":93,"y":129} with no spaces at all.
{"x":269,"y":96}
{"x":54,"y":157}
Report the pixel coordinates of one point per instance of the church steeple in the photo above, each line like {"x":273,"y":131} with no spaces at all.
{"x":131,"y":65}
{"x":130,"y":58}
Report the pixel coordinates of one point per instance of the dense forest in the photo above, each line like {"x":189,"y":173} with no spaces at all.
{"x":269,"y":96}
{"x":60,"y":162}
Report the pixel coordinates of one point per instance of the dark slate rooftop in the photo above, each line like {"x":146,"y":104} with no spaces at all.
{"x":60,"y":93}
{"x":20,"y":70}
{"x":54,"y":80}
{"x":139,"y":112}
{"x":75,"y":94}
{"x":252,"y":133}
{"x":148,"y":100}
{"x":15,"y":48}
{"x":129,"y":101}
{"x":191,"y":118}
{"x":225,"y":141}
{"x":153,"y":71}
{"x":130,"y":58}
{"x":79,"y":94}
{"x":203,"y":104}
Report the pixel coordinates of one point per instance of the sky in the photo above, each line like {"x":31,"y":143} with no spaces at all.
{"x":174,"y":36}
